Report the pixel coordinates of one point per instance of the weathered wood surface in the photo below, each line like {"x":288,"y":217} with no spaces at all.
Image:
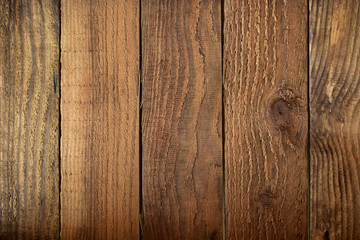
{"x":29,"y":119}
{"x":181,"y":119}
{"x":266,"y":119}
{"x":265,"y":83}
{"x":100,"y":119}
{"x":335,"y":116}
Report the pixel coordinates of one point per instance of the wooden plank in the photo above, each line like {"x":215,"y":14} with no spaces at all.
{"x":100,"y":119}
{"x":29,"y":119}
{"x":181,"y":119}
{"x":335,"y":115}
{"x":266,"y":119}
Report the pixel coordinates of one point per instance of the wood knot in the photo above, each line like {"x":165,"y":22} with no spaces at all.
{"x":321,"y":235}
{"x":215,"y":235}
{"x":282,"y":113}
{"x":326,"y":235}
{"x":266,"y":198}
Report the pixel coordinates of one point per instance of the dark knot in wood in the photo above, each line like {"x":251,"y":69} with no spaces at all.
{"x":266,"y":198}
{"x":282,"y":114}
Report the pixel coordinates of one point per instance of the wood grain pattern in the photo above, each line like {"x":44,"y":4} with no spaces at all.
{"x":100,"y":119}
{"x":266,"y":120}
{"x":335,"y":115}
{"x":181,"y":119}
{"x":29,"y":119}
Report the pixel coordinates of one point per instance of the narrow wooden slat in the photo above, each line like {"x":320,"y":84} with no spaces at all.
{"x":100,"y":119}
{"x":335,"y":118}
{"x":266,"y":119}
{"x":181,"y":119}
{"x":29,"y":119}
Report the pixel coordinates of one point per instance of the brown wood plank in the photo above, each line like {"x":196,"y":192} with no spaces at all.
{"x":100,"y":119}
{"x":266,"y":119}
{"x":181,"y":119}
{"x":335,"y":116}
{"x":29,"y":119}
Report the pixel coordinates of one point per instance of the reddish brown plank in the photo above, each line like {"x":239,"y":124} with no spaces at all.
{"x":266,"y":119}
{"x":335,"y":117}
{"x":100,"y":119}
{"x":181,"y":119}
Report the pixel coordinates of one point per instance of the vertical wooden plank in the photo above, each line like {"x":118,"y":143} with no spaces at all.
{"x":29,"y":119}
{"x":181,"y":119}
{"x":335,"y":115}
{"x":266,"y":119}
{"x":100,"y":119}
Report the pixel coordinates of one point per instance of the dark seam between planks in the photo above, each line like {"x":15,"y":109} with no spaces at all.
{"x":309,"y":120}
{"x":141,"y":222}
{"x":59,"y":106}
{"x":223,"y":118}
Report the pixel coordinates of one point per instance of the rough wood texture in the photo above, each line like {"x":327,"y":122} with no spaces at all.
{"x":181,"y":121}
{"x":29,"y":119}
{"x":266,"y":120}
{"x":100,"y":119}
{"x":335,"y":115}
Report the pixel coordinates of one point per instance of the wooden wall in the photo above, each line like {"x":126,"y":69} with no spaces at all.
{"x":179,"y":119}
